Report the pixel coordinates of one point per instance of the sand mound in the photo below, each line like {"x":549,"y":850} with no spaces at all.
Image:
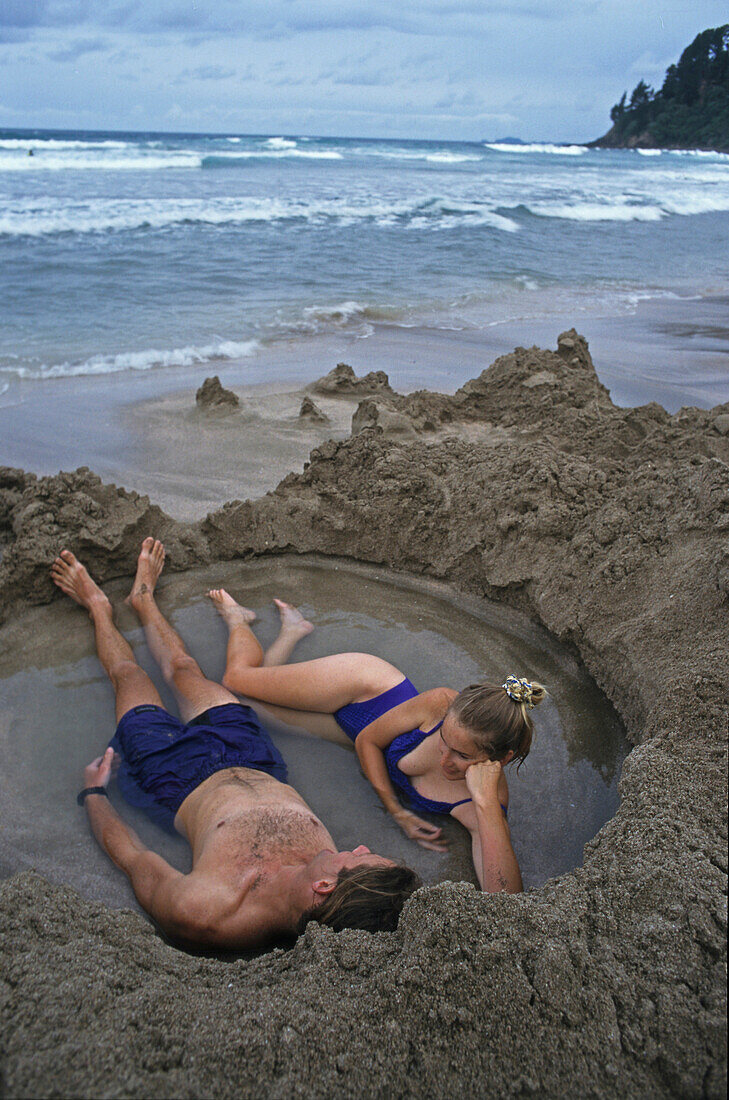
{"x":610,"y":527}
{"x":212,"y":394}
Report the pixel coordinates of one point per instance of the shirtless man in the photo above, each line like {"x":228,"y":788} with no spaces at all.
{"x":263,"y":864}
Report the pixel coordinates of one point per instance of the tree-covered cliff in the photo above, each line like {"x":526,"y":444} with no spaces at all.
{"x":690,"y":111}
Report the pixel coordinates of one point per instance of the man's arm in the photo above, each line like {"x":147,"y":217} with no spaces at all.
{"x":199,"y":907}
{"x":159,"y":888}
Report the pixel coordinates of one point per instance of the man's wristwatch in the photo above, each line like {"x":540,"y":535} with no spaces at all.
{"x":81,"y":796}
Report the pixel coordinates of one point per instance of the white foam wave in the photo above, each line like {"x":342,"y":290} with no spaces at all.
{"x":597,"y":212}
{"x":442,"y":156}
{"x":40,"y":145}
{"x":280,"y":143}
{"x":71,"y":160}
{"x":441,"y":214}
{"x":275,"y":152}
{"x":38,"y":219}
{"x":119,"y":215}
{"x":144,"y":360}
{"x":702,"y":153}
{"x":449,"y":158}
{"x":538,"y":147}
{"x":356,"y":318}
{"x":340,"y":314}
{"x":650,"y":152}
{"x":700,"y":202}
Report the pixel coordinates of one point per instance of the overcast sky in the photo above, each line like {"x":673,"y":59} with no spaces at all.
{"x":442,"y":69}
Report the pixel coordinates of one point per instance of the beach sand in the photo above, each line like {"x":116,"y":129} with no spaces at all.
{"x":607,"y":527}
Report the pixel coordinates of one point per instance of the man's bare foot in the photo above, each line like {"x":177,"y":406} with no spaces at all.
{"x":73,"y":578}
{"x":230,"y":611}
{"x":149,"y":566}
{"x":292,"y":621}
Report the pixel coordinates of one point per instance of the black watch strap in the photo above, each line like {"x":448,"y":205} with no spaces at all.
{"x":81,"y":796}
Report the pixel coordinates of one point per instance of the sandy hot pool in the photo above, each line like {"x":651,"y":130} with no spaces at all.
{"x":58,"y":714}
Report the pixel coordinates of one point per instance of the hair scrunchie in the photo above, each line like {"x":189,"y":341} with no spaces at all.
{"x":519,"y":690}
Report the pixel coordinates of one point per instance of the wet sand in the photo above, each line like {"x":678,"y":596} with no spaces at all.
{"x":144,"y":432}
{"x":561,"y":797}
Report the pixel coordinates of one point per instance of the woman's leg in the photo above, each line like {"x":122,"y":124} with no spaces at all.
{"x":324,"y":684}
{"x":294,"y":627}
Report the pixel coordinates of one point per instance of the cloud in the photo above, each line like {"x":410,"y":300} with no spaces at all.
{"x":77,"y":49}
{"x":273,"y":18}
{"x":322,"y":66}
{"x":204,"y":72}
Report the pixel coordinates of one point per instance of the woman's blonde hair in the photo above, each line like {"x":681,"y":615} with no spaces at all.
{"x":497,"y":716}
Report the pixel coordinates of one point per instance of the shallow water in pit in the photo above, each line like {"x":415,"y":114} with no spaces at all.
{"x":58,"y":715}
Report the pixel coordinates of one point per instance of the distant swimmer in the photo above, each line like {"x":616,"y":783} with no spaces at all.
{"x":438,"y":752}
{"x":263,"y":863}
{"x":30,"y":152}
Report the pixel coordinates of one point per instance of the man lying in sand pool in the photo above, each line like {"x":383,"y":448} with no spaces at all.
{"x":263,"y":864}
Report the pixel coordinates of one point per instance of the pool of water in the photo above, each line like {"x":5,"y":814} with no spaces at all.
{"x":58,"y":715}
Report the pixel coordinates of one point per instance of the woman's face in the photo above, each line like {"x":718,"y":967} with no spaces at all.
{"x":458,"y":750}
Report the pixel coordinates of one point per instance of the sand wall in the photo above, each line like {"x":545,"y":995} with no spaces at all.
{"x":608,"y":525}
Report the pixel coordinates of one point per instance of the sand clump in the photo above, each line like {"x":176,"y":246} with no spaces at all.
{"x":309,"y":410}
{"x":609,"y":526}
{"x":343,"y":381}
{"x":212,"y":394}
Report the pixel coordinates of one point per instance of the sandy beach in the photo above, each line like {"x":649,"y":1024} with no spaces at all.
{"x":142,"y":430}
{"x":604,"y":527}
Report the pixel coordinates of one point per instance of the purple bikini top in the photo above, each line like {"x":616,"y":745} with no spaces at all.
{"x":401,"y":746}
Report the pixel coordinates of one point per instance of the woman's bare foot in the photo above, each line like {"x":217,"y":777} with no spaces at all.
{"x":73,"y":578}
{"x":150,"y":563}
{"x":230,"y":611}
{"x":292,"y":621}
{"x":294,"y":627}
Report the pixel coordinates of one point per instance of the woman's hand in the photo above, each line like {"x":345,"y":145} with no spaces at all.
{"x":482,"y":780}
{"x":98,"y":772}
{"x":426,"y":835}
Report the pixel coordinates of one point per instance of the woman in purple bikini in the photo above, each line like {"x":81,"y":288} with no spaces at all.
{"x":441,"y":751}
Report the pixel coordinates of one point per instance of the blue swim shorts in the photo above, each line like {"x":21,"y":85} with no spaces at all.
{"x":164,"y":759}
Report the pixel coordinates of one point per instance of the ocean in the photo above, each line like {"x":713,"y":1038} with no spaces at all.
{"x":128,"y":252}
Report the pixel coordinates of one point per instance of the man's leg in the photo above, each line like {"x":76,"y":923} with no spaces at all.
{"x":193,"y":691}
{"x":324,"y":684}
{"x":131,"y":684}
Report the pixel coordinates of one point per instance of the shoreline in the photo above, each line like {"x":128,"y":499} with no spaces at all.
{"x":140,"y":431}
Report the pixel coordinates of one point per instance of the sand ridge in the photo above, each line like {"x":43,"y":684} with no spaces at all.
{"x":607,"y":525}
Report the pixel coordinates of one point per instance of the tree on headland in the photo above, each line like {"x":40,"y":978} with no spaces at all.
{"x":691,"y":109}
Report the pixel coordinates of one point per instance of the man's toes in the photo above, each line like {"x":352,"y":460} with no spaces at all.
{"x":67,"y":557}
{"x":148,"y":543}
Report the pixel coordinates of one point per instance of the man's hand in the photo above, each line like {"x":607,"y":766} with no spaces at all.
{"x":426,"y":835}
{"x":98,"y":772}
{"x":482,"y":780}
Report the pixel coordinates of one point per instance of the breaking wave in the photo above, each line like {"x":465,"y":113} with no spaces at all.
{"x":39,"y":218}
{"x":143,"y":360}
{"x":537,"y":147}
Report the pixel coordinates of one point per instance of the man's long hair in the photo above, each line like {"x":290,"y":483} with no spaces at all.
{"x":365,"y":897}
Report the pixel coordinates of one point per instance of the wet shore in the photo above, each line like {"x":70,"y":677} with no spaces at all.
{"x":142,"y":430}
